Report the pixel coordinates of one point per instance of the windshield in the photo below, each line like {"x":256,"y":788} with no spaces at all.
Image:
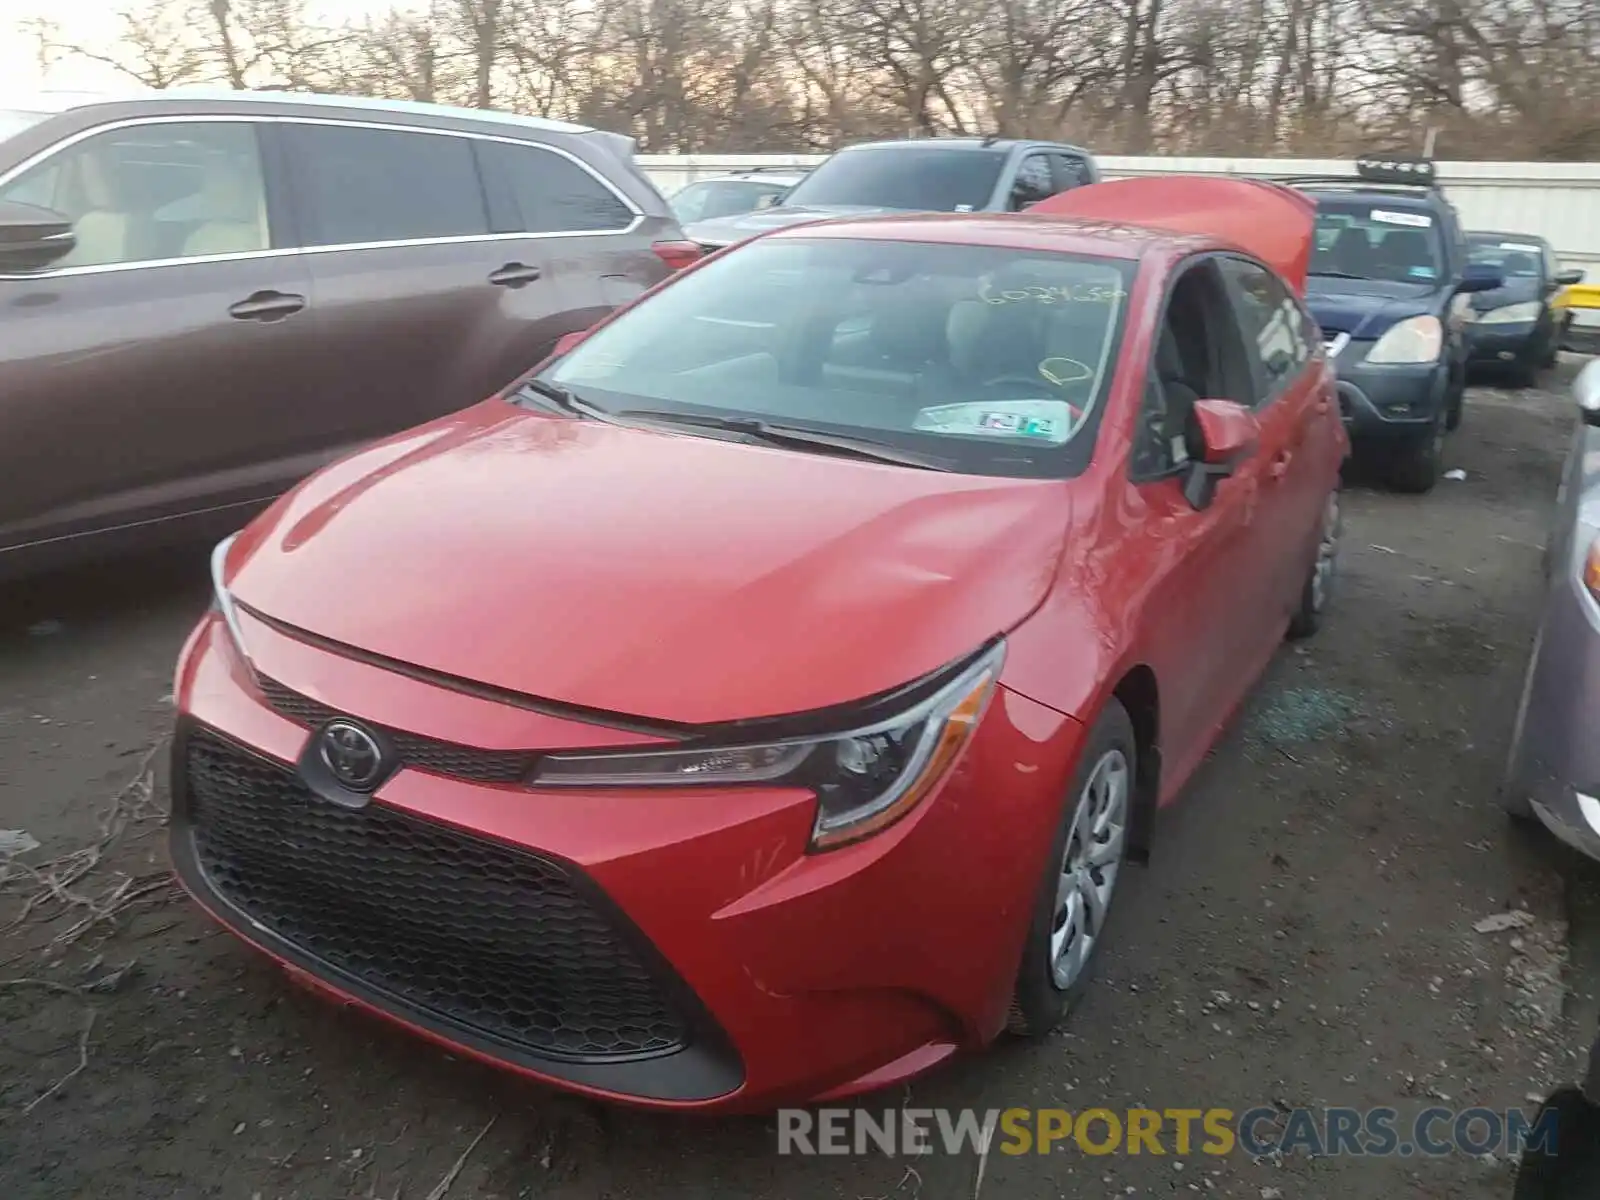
{"x":725,"y":198}
{"x":992,"y":360}
{"x":1516,"y":258}
{"x":1363,"y":239}
{"x":910,"y":177}
{"x":13,"y":121}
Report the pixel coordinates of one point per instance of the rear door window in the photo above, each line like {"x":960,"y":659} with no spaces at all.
{"x":1070,"y":170}
{"x":552,"y":194}
{"x":154,"y":191}
{"x":357,"y":185}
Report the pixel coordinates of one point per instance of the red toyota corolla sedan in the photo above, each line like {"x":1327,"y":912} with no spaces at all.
{"x":762,"y":701}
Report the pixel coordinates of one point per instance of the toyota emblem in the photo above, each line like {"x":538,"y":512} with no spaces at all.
{"x":352,"y":754}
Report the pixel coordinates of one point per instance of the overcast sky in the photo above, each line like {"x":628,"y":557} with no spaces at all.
{"x":93,"y":23}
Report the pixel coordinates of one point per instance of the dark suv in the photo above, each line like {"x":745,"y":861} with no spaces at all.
{"x":1389,"y":284}
{"x":207,"y":295}
{"x":917,"y":175}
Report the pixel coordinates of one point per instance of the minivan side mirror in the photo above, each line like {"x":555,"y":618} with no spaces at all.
{"x":32,"y":238}
{"x":1481,"y":277}
{"x":1228,"y":433}
{"x":1568,"y":278}
{"x":1586,"y":387}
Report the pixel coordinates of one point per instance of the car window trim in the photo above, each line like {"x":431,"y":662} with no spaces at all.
{"x":274,"y":119}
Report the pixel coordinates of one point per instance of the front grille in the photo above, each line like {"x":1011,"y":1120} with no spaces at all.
{"x":424,"y":753}
{"x":477,"y":935}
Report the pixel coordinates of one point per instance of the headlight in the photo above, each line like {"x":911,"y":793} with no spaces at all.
{"x":1511,"y":314}
{"x":221,"y":599}
{"x":1414,"y":340}
{"x":865,"y":779}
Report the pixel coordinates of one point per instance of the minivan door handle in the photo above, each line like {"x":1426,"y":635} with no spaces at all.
{"x":266,"y":306}
{"x":514,"y":275}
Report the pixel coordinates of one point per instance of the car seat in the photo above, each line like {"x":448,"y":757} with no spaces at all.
{"x":236,"y":208}
{"x":1519,"y":265}
{"x":101,"y":225}
{"x":905,"y":341}
{"x":1351,"y":252}
{"x":1402,"y":250}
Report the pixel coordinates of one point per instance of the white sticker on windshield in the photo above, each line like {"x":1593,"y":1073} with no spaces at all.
{"x":1522,"y":246}
{"x":1042,"y":420}
{"x":1415,"y":220}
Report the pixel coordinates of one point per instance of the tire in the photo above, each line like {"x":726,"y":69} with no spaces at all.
{"x":1307,"y":619}
{"x":1042,"y":999}
{"x":1415,"y":463}
{"x":1456,"y":400}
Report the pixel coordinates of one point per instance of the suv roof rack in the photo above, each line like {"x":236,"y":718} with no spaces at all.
{"x":1388,"y":173}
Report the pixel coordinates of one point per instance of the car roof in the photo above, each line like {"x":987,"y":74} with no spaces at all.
{"x":1010,"y":231}
{"x":52,"y":102}
{"x":963,"y":143}
{"x":1532,"y":239}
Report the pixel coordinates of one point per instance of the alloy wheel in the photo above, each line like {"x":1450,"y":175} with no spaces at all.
{"x":1090,"y":867}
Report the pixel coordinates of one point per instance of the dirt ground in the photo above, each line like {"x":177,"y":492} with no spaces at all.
{"x":1303,"y":935}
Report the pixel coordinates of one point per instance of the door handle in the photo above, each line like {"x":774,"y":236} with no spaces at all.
{"x":1280,"y":466}
{"x":514,"y":275}
{"x":266,"y":306}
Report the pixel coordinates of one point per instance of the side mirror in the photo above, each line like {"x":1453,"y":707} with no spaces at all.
{"x":1481,"y":277}
{"x":1586,"y":387}
{"x":32,"y":238}
{"x":1568,"y":278}
{"x":567,"y":341}
{"x":1227,"y":433}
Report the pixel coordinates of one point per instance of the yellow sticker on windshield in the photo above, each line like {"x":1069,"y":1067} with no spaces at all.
{"x":1062,"y":371}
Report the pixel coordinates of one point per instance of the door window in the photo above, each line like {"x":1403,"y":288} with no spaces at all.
{"x":1199,"y":356}
{"x":1275,"y":327}
{"x":357,"y":185}
{"x":553,"y":194}
{"x":152,"y":192}
{"x":1033,"y":182}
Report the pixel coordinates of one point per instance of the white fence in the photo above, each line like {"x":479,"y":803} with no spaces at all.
{"x":1556,"y":201}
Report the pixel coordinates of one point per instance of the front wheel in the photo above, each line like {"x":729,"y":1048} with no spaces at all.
{"x":1417,"y":460}
{"x":1087,"y":860}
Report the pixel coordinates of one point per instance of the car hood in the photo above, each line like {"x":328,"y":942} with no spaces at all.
{"x":1365,"y":308}
{"x":1513,"y":291}
{"x":725,"y":231}
{"x":674,"y":577}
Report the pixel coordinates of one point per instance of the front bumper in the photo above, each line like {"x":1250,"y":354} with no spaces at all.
{"x":666,"y":949}
{"x":1502,"y":345}
{"x":1387,"y":401}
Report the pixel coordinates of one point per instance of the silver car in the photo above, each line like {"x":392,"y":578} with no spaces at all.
{"x":1554,"y":769}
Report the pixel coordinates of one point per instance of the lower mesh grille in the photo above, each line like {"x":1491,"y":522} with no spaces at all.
{"x":476,"y":934}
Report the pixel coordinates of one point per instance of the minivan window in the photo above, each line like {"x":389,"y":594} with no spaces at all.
{"x":553,"y":194}
{"x":911,"y":177}
{"x":357,"y":185}
{"x":154,"y":191}
{"x":994,"y":359}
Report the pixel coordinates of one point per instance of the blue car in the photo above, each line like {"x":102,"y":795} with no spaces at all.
{"x":1389,"y":283}
{"x":1517,"y":328}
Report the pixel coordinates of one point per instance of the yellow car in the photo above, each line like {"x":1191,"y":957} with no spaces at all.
{"x":1577,"y":312}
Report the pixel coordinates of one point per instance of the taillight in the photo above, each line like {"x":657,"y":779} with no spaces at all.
{"x":677,"y":255}
{"x":1591,"y":569}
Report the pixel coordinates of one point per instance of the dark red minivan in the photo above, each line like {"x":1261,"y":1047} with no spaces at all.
{"x":205,"y":295}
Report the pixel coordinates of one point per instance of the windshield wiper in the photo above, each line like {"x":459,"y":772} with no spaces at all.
{"x":1336,"y":274}
{"x":564,"y":399}
{"x":794,"y":438}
